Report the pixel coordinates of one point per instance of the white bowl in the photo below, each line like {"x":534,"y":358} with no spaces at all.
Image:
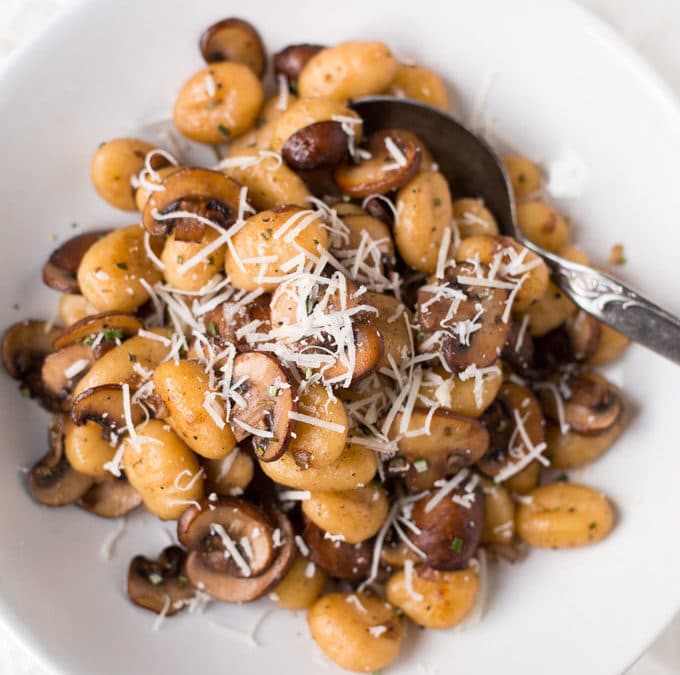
{"x":564,"y":84}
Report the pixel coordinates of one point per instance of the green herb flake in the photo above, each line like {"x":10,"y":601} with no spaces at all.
{"x":308,"y":373}
{"x":266,"y":234}
{"x":502,"y":426}
{"x":114,"y":334}
{"x":377,"y":485}
{"x":562,"y":478}
{"x":223,"y":130}
{"x":457,"y":545}
{"x":259,"y":450}
{"x":366,"y":430}
{"x":88,"y":341}
{"x":180,"y":259}
{"x":122,"y":265}
{"x":273,"y":390}
{"x":133,"y":358}
{"x":212,"y":328}
{"x":420,"y":466}
{"x":436,"y":202}
{"x":346,"y":198}
{"x":592,"y":526}
{"x":25,"y":392}
{"x":182,"y":580}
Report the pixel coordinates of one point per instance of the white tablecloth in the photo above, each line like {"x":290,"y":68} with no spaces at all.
{"x":648,"y":24}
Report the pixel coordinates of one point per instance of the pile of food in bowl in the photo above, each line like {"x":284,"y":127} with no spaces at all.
{"x":347,"y":388}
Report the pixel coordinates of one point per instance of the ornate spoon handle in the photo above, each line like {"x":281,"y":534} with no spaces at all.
{"x":613,"y":303}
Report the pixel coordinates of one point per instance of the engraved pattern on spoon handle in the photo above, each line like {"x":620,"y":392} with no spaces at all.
{"x":617,"y":305}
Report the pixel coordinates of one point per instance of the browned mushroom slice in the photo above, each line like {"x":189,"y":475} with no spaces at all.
{"x":378,"y":208}
{"x":52,"y":480}
{"x":205,"y":193}
{"x":59,"y":272}
{"x":62,"y":369}
{"x":112,"y":325}
{"x":160,"y":585}
{"x":227,"y":319}
{"x":449,"y":525}
{"x":217,"y":531}
{"x":316,"y":146}
{"x":369,"y":348}
{"x":111,"y":498}
{"x":395,"y":159}
{"x":507,"y":446}
{"x":268,"y":394}
{"x":24,"y":348}
{"x":454,"y":441}
{"x":518,"y":350}
{"x":591,"y":404}
{"x":234,"y":40}
{"x":340,"y":559}
{"x":105,"y":405}
{"x":291,"y":60}
{"x":240,"y":577}
{"x":584,"y":332}
{"x":465,"y":320}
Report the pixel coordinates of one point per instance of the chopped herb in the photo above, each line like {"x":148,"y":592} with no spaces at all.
{"x":592,"y":525}
{"x":212,"y":328}
{"x":266,"y":234}
{"x":420,"y":466}
{"x":133,"y":358}
{"x":562,"y":478}
{"x":122,"y":265}
{"x":223,"y":130}
{"x":308,"y":373}
{"x":273,"y":390}
{"x":180,"y":259}
{"x":25,"y":392}
{"x":457,"y":545}
{"x":316,"y":242}
{"x":259,"y":450}
{"x":216,"y":152}
{"x":502,"y":426}
{"x":436,"y":202}
{"x":365,"y":430}
{"x":114,"y":334}
{"x":182,"y":580}
{"x":89,"y":341}
{"x":376,"y":485}
{"x":155,"y":578}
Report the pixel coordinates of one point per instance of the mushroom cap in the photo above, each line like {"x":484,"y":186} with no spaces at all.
{"x":292,"y":59}
{"x":234,"y":40}
{"x":56,"y":371}
{"x":60,"y":270}
{"x":114,"y":325}
{"x":320,"y":145}
{"x":52,"y":480}
{"x":160,"y":585}
{"x":228,"y":588}
{"x":105,"y":406}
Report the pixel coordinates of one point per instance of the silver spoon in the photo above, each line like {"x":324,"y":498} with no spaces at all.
{"x":474,"y":169}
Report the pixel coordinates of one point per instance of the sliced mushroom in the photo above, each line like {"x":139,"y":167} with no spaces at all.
{"x":592,"y":405}
{"x":449,"y":529}
{"x":111,"y":498}
{"x":368,"y":347}
{"x":351,"y":562}
{"x":234,"y":40}
{"x":228,"y":318}
{"x":52,"y":480}
{"x":25,"y":346}
{"x":62,"y":369}
{"x":518,"y":350}
{"x":105,"y":405}
{"x":454,"y":441}
{"x":240,"y":577}
{"x":160,"y":585}
{"x":291,"y":60}
{"x":112,"y":325}
{"x":376,"y":207}
{"x":464,"y":319}
{"x":205,"y":193}
{"x":387,"y":169}
{"x":269,"y":396}
{"x":59,"y":272}
{"x":317,"y":146}
{"x":507,"y":445}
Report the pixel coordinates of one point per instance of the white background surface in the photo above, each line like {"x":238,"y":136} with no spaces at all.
{"x":647,"y":24}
